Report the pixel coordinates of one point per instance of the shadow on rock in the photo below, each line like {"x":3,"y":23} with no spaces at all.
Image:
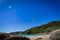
{"x":5,"y":36}
{"x":55,"y":35}
{"x":17,"y":38}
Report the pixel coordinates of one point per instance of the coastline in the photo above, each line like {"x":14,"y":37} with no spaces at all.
{"x":39,"y":37}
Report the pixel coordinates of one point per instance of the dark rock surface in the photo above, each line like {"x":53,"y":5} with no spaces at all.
{"x":5,"y":36}
{"x":39,"y":39}
{"x":17,"y":38}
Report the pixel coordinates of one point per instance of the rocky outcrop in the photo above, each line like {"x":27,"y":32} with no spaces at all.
{"x":55,"y":35}
{"x":15,"y":37}
{"x":5,"y":36}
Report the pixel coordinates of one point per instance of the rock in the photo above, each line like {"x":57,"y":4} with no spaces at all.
{"x":39,"y":39}
{"x":55,"y":35}
{"x":25,"y":38}
{"x":3,"y":36}
{"x":17,"y":38}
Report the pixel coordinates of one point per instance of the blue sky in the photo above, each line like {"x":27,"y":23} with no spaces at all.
{"x":20,"y":15}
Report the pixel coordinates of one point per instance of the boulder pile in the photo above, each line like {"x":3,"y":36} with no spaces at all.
{"x":5,"y":36}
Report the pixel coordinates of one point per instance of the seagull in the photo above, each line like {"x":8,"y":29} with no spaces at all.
{"x":33,"y":19}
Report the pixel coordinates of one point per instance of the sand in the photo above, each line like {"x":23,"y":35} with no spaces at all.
{"x":39,"y":37}
{"x":42,"y":37}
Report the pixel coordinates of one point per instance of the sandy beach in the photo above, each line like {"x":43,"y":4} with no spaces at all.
{"x":39,"y":37}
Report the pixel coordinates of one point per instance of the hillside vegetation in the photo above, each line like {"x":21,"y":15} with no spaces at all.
{"x":46,"y":28}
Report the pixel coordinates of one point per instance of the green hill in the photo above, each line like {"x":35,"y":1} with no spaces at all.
{"x":46,"y":28}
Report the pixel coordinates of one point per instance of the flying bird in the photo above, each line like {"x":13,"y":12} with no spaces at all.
{"x":33,"y":19}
